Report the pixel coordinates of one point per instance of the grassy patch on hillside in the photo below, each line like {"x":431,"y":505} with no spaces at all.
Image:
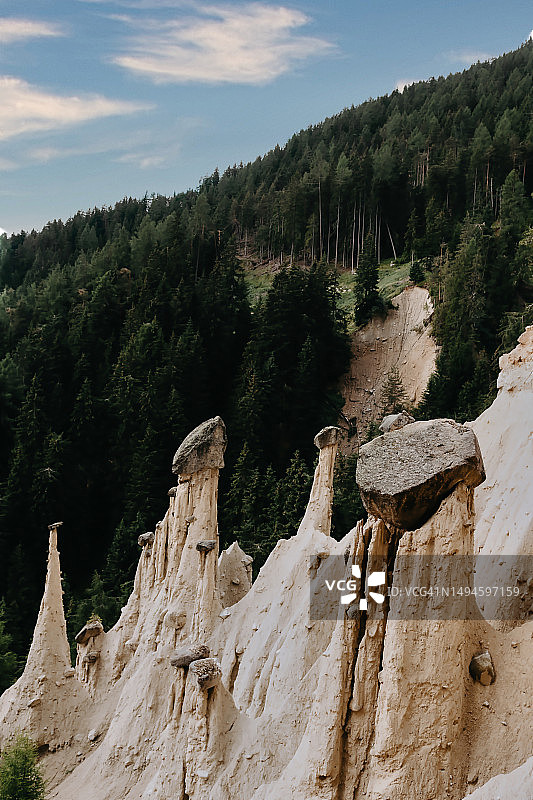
{"x":392,"y":280}
{"x":258,"y":282}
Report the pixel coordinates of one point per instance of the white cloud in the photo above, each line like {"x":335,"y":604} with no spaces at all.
{"x":250,"y":44}
{"x":14,"y":29}
{"x":401,"y":85}
{"x":28,"y":109}
{"x":466,"y":58}
{"x":530,"y":36}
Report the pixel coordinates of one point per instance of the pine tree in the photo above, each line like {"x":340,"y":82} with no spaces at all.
{"x":143,"y":244}
{"x":122,"y":556}
{"x":20,"y":775}
{"x":23,"y":589}
{"x":8,"y":659}
{"x":410,"y":237}
{"x":294,"y":490}
{"x":367,"y":299}
{"x":393,"y":396}
{"x":236,"y":501}
{"x":513,"y":220}
{"x":97,"y":600}
{"x":416,"y":272}
{"x":460,"y":323}
{"x":347,"y":505}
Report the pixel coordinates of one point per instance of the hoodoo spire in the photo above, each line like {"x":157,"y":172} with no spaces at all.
{"x":45,"y":701}
{"x":49,"y":648}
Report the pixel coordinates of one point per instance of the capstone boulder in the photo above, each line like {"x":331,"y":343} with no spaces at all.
{"x":89,"y":631}
{"x":203,"y":448}
{"x":207,"y":672}
{"x":189,"y":653}
{"x":405,"y":474}
{"x":327,"y":437}
{"x":146,"y":539}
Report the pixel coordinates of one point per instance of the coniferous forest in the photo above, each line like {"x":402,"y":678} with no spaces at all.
{"x":123,"y":328}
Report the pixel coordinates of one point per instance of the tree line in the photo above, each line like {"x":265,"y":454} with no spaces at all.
{"x":123,"y":328}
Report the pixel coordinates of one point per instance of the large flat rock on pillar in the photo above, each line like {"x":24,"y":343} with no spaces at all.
{"x":404,"y":474}
{"x":203,"y":448}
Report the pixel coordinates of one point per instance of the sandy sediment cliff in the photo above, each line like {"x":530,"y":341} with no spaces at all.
{"x":209,"y":689}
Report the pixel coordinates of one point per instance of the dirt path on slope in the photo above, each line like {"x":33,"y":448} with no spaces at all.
{"x":401,"y":340}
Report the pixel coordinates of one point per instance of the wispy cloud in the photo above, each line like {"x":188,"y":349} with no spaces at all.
{"x":250,"y":44}
{"x":466,"y":58}
{"x":28,"y":109}
{"x":141,"y":147}
{"x":7,"y":164}
{"x":13,"y":29}
{"x":144,"y":5}
{"x":121,"y":152}
{"x":142,"y":160}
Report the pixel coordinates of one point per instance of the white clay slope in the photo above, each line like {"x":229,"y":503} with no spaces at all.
{"x":504,"y":506}
{"x":400,"y":341}
{"x":305,"y":709}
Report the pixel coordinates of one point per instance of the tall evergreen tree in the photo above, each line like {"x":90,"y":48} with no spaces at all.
{"x":8,"y":659}
{"x":367,"y":300}
{"x":20,"y":775}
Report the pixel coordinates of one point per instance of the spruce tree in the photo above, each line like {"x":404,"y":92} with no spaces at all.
{"x":393,"y":395}
{"x":367,"y":299}
{"x":347,"y":505}
{"x":8,"y":659}
{"x":294,"y":489}
{"x":416,"y":272}
{"x":20,"y":774}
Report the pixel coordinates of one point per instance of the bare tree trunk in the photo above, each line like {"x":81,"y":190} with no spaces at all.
{"x":358,"y":238}
{"x":392,"y":242}
{"x":337,"y":237}
{"x":353,"y":236}
{"x":319,"y":218}
{"x":362,"y":233}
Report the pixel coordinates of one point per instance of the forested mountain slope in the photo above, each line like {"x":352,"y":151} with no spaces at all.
{"x":122,"y":328}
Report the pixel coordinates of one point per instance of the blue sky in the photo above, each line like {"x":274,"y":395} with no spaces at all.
{"x":100,"y":100}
